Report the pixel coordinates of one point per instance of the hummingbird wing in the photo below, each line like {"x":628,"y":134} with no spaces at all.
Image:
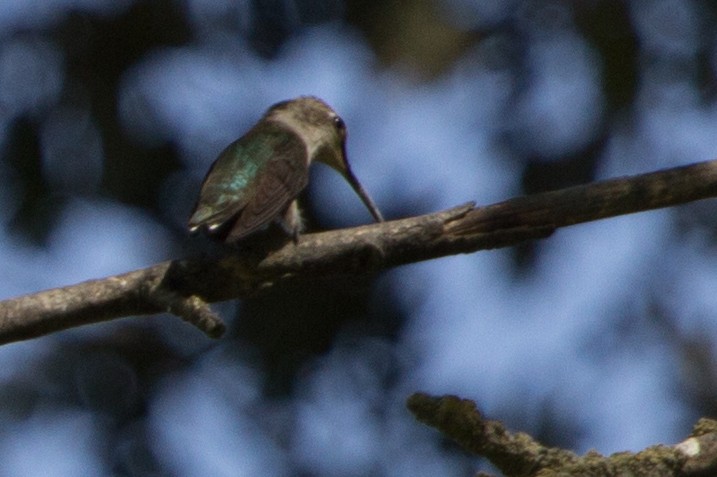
{"x":278,"y":186}
{"x":223,"y":192}
{"x":253,"y":180}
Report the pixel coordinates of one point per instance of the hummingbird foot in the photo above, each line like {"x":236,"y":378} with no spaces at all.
{"x":291,"y":222}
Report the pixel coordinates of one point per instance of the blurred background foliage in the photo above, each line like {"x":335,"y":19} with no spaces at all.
{"x":602,"y":336}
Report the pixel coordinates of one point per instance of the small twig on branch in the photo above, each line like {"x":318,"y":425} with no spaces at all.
{"x":190,"y":308}
{"x":185,"y":287}
{"x":519,"y":455}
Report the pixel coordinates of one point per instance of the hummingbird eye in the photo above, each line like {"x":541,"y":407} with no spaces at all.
{"x":339,"y":123}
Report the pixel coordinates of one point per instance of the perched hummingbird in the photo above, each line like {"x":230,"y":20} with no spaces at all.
{"x":255,"y":181}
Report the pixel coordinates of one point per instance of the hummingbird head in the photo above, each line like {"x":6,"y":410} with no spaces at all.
{"x":324,"y":133}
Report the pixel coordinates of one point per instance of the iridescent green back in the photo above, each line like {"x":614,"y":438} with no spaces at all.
{"x":252,"y":181}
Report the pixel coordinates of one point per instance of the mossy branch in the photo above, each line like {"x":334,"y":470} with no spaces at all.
{"x":519,"y":455}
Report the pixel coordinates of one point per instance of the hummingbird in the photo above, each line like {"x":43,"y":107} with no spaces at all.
{"x":255,"y":181}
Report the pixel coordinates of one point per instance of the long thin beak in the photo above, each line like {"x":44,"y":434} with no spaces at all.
{"x":351,"y":178}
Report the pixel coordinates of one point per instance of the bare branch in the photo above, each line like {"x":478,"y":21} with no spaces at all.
{"x":184,"y":287}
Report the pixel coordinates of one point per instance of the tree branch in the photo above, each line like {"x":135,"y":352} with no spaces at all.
{"x":185,"y":287}
{"x":519,"y":455}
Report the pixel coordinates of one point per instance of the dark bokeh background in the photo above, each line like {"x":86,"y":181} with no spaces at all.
{"x":602,"y":336}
